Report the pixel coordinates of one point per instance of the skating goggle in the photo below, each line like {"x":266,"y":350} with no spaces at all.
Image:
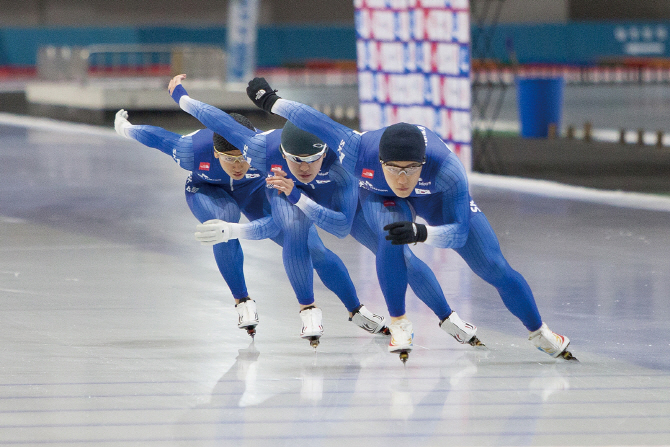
{"x":397,"y":170}
{"x":231,"y":158}
{"x":305,"y":159}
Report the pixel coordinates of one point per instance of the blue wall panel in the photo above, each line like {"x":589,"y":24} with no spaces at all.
{"x":579,"y":42}
{"x":285,"y":45}
{"x":572,"y":43}
{"x":276,"y":45}
{"x":18,"y":46}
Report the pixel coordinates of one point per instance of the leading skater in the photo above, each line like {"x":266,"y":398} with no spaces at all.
{"x":220,"y":187}
{"x":325,"y":194}
{"x":390,"y":163}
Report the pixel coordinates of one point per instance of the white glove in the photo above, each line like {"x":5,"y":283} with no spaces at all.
{"x":121,"y":123}
{"x":215,"y":231}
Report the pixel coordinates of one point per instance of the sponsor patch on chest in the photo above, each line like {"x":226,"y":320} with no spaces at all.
{"x":204,"y":166}
{"x":368,"y":173}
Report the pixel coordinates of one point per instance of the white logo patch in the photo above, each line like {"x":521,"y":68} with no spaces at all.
{"x":367,"y":185}
{"x":423,"y":131}
{"x":244,"y":154}
{"x":259,"y":94}
{"x":204,"y":176}
{"x":340,"y":150}
{"x":421,"y":191}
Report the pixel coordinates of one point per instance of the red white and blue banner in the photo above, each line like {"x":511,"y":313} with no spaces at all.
{"x":414,"y":66}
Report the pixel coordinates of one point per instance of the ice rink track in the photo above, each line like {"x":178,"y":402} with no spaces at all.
{"x":116,"y":328}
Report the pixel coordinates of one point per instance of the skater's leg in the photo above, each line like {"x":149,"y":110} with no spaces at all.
{"x":213,"y":202}
{"x":295,"y":254}
{"x":423,"y":282}
{"x":390,"y":261}
{"x":336,"y":278}
{"x":330,"y":268}
{"x":332,"y":271}
{"x":483,"y":255}
{"x":420,"y":277}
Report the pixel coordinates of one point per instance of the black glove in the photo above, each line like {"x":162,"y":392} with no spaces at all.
{"x":260,"y":92}
{"x":406,"y":233}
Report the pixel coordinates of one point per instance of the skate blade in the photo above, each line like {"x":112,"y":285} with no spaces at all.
{"x":404,"y":356}
{"x":313,"y":341}
{"x":477,"y":343}
{"x":251,"y":330}
{"x":401,"y":350}
{"x":567,"y":355}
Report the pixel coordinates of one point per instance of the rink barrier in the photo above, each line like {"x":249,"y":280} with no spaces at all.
{"x":547,"y":188}
{"x":81,"y":64}
{"x":122,"y":60}
{"x":107,"y":77}
{"x":622,"y":73}
{"x":656,"y":138}
{"x":639,"y":137}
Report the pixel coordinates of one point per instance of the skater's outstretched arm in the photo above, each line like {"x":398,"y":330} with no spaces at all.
{"x":252,"y":144}
{"x":337,"y":136}
{"x":216,"y":231}
{"x":263,"y":228}
{"x":179,"y":147}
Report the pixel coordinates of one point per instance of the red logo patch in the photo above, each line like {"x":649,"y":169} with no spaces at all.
{"x":204,"y":166}
{"x":368,"y":173}
{"x":389,"y":202}
{"x":275,"y":168}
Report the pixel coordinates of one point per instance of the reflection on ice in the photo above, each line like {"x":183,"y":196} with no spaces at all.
{"x":548,"y":382}
{"x":312,"y":383}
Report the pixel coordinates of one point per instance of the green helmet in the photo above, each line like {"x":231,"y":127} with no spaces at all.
{"x":296,"y":141}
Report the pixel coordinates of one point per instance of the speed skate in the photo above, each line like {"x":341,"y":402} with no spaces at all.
{"x":312,"y":329}
{"x":402,"y":337}
{"x":462,"y":331}
{"x":551,"y":343}
{"x":247,"y":315}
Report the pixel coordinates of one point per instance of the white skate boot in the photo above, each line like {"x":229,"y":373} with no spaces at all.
{"x":402,"y":337}
{"x":368,"y":321}
{"x":312,"y":329}
{"x":248,"y":316}
{"x":551,"y":343}
{"x":463,"y":332}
